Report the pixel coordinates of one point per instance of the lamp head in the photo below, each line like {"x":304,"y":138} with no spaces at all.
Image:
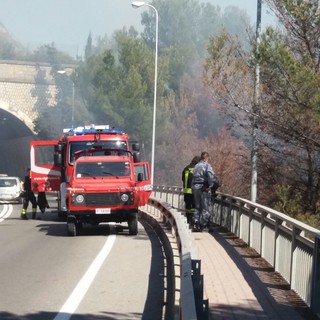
{"x":137,"y":4}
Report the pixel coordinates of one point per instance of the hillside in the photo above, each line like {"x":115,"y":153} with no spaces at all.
{"x":10,"y":49}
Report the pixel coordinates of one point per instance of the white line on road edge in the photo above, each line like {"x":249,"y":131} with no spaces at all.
{"x":6,"y":211}
{"x":80,"y":290}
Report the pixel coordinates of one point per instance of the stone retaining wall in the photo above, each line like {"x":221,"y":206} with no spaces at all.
{"x":26,"y":89}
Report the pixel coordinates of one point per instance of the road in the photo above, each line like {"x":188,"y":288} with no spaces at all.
{"x":102,"y":274}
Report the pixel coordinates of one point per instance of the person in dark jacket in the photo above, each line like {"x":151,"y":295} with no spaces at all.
{"x":28,"y":196}
{"x":42,"y":201}
{"x":202,"y":182}
{"x":187,"y":175}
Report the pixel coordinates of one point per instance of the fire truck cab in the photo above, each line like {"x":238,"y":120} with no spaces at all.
{"x":97,"y":174}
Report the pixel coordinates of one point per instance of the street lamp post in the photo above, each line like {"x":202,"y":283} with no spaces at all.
{"x":138,"y":4}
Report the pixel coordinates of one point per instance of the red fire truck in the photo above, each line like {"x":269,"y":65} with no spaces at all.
{"x":97,"y":174}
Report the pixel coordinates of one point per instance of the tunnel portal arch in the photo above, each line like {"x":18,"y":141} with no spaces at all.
{"x":15,"y":137}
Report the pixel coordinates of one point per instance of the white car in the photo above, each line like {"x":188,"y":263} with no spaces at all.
{"x":10,"y":189}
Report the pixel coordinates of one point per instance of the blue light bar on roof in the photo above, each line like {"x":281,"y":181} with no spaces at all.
{"x":93,"y":129}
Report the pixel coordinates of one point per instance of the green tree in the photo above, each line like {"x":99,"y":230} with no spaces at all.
{"x":49,"y":53}
{"x":118,"y":84}
{"x":41,"y":123}
{"x":52,"y":119}
{"x":290,"y":71}
{"x":185,"y":27}
{"x":88,"y":48}
{"x":288,"y":120}
{"x":10,"y":49}
{"x":7,"y":50}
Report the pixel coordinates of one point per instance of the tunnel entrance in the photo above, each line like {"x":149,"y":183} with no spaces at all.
{"x":15,"y":137}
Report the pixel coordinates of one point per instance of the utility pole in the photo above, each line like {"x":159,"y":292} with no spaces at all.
{"x":256,"y":108}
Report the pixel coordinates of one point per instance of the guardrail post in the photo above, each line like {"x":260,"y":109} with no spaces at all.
{"x":251,"y":210}
{"x":223,"y":198}
{"x":202,"y":306}
{"x":315,"y":285}
{"x":295,"y":233}
{"x":263,"y":240}
{"x":277,"y":248}
{"x":215,"y":207}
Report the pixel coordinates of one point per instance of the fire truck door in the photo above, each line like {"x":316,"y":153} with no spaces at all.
{"x":143,"y":183}
{"x":44,"y":174}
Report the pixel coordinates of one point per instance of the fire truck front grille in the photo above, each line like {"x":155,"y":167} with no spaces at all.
{"x":103,"y":199}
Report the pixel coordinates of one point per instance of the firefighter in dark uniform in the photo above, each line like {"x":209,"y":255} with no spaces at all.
{"x":28,"y":196}
{"x":187,"y":175}
{"x":202,"y":183}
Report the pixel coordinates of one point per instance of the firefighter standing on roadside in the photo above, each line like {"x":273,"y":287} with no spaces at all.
{"x":187,"y":175}
{"x":202,"y":182}
{"x":28,"y":196}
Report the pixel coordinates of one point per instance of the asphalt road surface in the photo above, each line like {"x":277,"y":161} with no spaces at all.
{"x":101,"y":274}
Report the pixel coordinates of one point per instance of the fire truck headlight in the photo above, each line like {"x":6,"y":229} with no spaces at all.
{"x":124,"y":197}
{"x":79,"y":198}
{"x":127,"y":198}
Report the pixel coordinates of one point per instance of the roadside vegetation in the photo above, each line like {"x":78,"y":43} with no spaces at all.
{"x":205,"y":95}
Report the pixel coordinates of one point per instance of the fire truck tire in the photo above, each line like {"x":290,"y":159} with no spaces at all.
{"x":133,"y":226}
{"x":72,"y":229}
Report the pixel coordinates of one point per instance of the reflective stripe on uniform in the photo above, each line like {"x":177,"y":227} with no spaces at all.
{"x":186,"y":188}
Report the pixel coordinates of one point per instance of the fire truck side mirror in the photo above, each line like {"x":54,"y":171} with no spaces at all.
{"x":140,"y":177}
{"x":58,"y":159}
{"x":135,"y":146}
{"x":58,"y":154}
{"x":136,"y":156}
{"x":58,"y":148}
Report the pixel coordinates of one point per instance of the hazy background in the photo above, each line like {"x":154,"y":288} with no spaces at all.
{"x":67,"y":23}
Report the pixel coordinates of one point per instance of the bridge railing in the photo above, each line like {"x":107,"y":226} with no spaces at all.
{"x":290,"y":246}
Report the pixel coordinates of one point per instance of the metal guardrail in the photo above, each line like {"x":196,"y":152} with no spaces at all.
{"x":290,"y":246}
{"x":190,"y":287}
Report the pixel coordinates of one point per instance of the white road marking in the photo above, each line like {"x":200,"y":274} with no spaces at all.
{"x":6,"y":211}
{"x":82,"y":287}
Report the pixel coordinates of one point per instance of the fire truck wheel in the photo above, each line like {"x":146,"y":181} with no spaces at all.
{"x":133,"y":226}
{"x":72,"y":230}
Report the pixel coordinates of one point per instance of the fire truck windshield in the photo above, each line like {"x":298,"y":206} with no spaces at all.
{"x":102,"y":169}
{"x":75,"y":146}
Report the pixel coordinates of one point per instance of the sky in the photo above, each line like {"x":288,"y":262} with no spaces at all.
{"x":67,"y":23}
